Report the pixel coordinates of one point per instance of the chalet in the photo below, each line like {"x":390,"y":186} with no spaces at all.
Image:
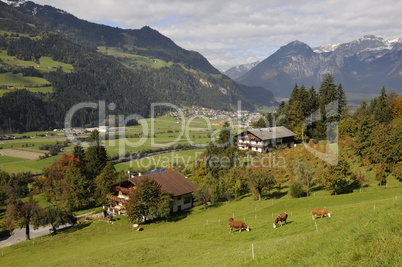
{"x":171,"y":181}
{"x":265,"y":139}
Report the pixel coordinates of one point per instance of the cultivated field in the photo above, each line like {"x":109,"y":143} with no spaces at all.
{"x":364,"y":230}
{"x":21,"y":155}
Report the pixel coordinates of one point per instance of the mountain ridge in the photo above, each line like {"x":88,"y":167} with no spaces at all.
{"x":363,"y":66}
{"x":135,"y":69}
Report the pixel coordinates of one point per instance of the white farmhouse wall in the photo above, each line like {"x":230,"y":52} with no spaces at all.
{"x":182,"y":203}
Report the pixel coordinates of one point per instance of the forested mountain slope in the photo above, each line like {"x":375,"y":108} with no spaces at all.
{"x":130,"y":68}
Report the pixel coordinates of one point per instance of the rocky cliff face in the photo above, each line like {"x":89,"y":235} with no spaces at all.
{"x":363,"y":66}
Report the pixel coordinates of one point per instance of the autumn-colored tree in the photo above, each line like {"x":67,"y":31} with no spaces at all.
{"x":380,"y":174}
{"x":386,"y":146}
{"x":397,"y":171}
{"x":148,"y":200}
{"x":347,"y":127}
{"x":396,"y":108}
{"x":50,"y":183}
{"x":304,"y":174}
{"x":23,"y":214}
{"x":280,"y":177}
{"x":236,"y":181}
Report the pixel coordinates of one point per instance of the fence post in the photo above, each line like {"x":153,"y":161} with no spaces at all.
{"x":252,"y":250}
{"x":316,"y":226}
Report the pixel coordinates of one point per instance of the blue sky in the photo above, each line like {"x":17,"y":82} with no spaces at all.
{"x":229,"y":33}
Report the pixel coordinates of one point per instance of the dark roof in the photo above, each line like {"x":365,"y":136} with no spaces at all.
{"x":269,"y":133}
{"x":171,"y":181}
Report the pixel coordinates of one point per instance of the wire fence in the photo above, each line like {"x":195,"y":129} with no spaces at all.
{"x":272,"y":216}
{"x":251,"y":250}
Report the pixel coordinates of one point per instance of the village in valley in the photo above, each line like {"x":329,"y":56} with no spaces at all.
{"x":119,"y":147}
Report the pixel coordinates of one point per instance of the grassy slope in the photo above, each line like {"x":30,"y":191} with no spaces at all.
{"x":34,"y":84}
{"x":355,"y":235}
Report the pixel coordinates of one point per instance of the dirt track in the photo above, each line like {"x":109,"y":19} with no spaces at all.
{"x":20,"y":153}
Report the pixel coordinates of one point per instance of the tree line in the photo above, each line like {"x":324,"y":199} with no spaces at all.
{"x":370,"y":137}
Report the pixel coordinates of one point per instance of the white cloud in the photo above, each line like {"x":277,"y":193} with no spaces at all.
{"x":229,"y":32}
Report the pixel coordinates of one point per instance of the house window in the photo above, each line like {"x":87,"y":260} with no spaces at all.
{"x":187,"y":200}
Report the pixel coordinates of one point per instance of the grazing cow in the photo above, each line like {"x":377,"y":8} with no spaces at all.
{"x":237,"y":225}
{"x":281,"y":218}
{"x":137,"y":227}
{"x":322,"y":212}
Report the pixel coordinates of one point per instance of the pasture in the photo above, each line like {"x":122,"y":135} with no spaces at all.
{"x":364,"y":230}
{"x":160,"y":133}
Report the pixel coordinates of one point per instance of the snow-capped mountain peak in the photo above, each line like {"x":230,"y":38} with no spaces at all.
{"x":14,"y":3}
{"x":325,"y":48}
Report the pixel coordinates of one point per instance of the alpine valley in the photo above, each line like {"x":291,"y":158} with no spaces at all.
{"x":51,"y":60}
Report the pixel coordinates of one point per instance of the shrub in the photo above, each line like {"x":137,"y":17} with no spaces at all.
{"x":296,"y":189}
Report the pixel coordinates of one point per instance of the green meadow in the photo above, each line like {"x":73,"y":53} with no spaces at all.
{"x":132,"y":60}
{"x":364,"y":230}
{"x":157,"y":134}
{"x":34,"y":84}
{"x":45,"y":63}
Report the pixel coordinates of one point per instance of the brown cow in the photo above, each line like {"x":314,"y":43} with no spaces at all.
{"x":322,"y":212}
{"x":281,"y":218}
{"x":237,"y":225}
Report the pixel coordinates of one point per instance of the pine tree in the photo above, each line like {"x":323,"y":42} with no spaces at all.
{"x":342,"y":101}
{"x":105,"y":178}
{"x":96,"y":156}
{"x":327,"y":94}
{"x":313,"y":102}
{"x":364,"y":135}
{"x":76,"y":189}
{"x":380,"y":107}
{"x":79,"y":153}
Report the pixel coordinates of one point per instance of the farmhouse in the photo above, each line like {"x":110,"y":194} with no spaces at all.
{"x":171,"y":181}
{"x":265,"y":139}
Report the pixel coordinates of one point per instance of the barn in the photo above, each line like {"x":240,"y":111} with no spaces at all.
{"x":179,"y":187}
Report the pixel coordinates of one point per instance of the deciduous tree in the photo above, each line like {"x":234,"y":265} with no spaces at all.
{"x":260,"y":178}
{"x":23,"y":214}
{"x":56,"y":216}
{"x":148,"y":200}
